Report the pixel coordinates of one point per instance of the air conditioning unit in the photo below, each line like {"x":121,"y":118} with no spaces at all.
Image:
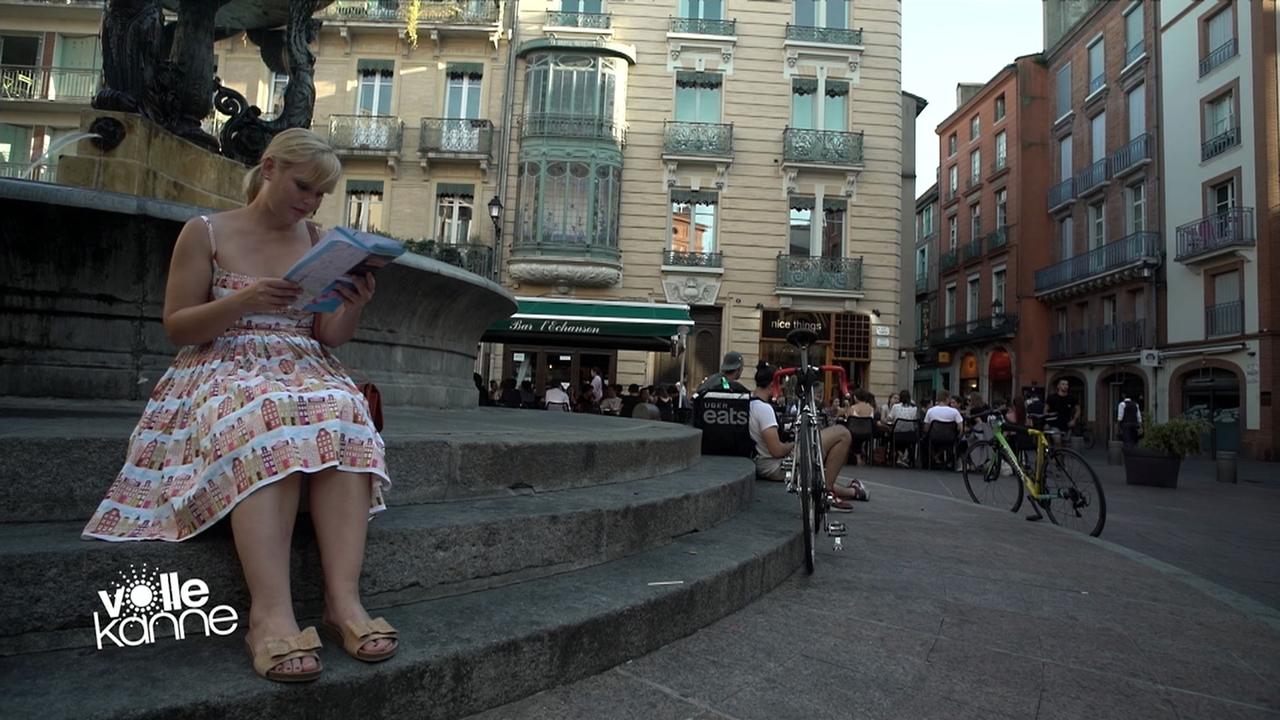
{"x":1150,"y":358}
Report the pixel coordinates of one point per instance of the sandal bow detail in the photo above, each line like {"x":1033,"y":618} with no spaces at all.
{"x":275,"y":651}
{"x":354,"y":634}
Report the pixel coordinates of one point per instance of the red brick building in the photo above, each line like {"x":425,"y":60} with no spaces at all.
{"x":1100,"y":282}
{"x":993,"y":234}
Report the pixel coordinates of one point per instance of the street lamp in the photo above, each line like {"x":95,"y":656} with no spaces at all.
{"x":495,"y":213}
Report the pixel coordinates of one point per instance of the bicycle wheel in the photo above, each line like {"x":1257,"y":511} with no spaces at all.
{"x":989,"y":478}
{"x":1076,"y":499}
{"x":804,"y":469}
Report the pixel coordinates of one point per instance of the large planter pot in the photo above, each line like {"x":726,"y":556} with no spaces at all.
{"x":1151,"y":467}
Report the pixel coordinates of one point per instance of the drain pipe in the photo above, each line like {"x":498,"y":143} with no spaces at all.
{"x":505,"y":149}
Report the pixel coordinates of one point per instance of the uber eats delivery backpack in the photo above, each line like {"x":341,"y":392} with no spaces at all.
{"x":724,"y":419}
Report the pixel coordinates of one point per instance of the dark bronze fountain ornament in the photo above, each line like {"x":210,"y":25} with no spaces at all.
{"x":165,"y":70}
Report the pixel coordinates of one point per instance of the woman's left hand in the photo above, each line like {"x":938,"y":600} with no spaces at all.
{"x":359,"y":292}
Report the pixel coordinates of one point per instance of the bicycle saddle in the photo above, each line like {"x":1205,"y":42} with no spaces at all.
{"x":801,"y":337}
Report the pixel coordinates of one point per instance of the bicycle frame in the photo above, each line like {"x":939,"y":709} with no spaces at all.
{"x":1034,"y":485}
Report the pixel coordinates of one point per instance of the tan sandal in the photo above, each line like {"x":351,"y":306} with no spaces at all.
{"x":355,"y":633}
{"x":275,"y":651}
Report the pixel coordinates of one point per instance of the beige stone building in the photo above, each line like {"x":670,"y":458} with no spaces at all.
{"x":717,"y":171}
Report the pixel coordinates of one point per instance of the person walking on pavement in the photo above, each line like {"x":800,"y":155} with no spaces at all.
{"x":1129,"y":416}
{"x":1065,"y":409}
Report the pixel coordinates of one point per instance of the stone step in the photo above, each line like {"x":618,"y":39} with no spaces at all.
{"x":461,"y":654}
{"x":414,"y":552}
{"x":61,"y":456}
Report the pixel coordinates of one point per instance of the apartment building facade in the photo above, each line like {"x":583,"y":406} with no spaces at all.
{"x":1102,"y":281}
{"x":1218,"y":355}
{"x":993,"y":235}
{"x":925,"y":379}
{"x":50,"y":67}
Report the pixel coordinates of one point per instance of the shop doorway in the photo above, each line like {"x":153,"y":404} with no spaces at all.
{"x":969,"y":375}
{"x":1213,"y":395}
{"x":547,"y":366}
{"x":1000,"y":377}
{"x":1117,"y":386}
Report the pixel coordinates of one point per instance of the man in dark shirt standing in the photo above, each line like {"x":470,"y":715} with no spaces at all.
{"x":727,"y":379}
{"x":1065,"y":408}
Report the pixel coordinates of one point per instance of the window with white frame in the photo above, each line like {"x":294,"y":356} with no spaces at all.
{"x":1062,"y":91}
{"x":817,"y":234}
{"x":975,"y":167}
{"x":364,"y":205}
{"x":832,"y":14}
{"x":949,"y":309}
{"x":926,"y":220}
{"x":693,"y":221}
{"x":1136,"y":100}
{"x":1133,"y":33}
{"x":462,"y":90}
{"x":374,"y":94}
{"x":1220,"y":30}
{"x":698,"y":97}
{"x":702,"y":9}
{"x":998,"y":279}
{"x":1098,"y":137}
{"x":1097,"y":224}
{"x":593,"y":7}
{"x":455,"y":207}
{"x":1002,"y":208}
{"x":1002,"y":149}
{"x":975,"y":221}
{"x":922,"y":263}
{"x":1000,"y":107}
{"x":1066,"y":239}
{"x":819,"y":105}
{"x":952,"y":233}
{"x":973,"y":298}
{"x":1066,"y":163}
{"x":975,"y":125}
{"x":1097,"y":66}
{"x":953,"y":178}
{"x":1137,"y":204}
{"x":1220,"y":116}
{"x":951,"y":145}
{"x":275,"y":95}
{"x":1222,"y":197}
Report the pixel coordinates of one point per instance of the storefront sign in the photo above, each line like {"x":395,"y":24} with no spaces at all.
{"x":776,"y":324}
{"x":564,"y":327}
{"x":882,"y":330}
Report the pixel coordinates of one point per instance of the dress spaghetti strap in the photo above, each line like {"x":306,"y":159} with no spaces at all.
{"x":213,"y":248}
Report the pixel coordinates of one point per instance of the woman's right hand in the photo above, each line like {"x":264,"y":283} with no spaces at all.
{"x":269,"y":295}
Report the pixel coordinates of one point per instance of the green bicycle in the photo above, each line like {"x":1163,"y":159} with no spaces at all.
{"x":1060,"y":481}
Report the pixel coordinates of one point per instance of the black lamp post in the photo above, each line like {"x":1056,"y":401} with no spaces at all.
{"x":495,"y":214}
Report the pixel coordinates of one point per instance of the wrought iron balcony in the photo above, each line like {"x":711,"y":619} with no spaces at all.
{"x":822,"y":147}
{"x":1224,"y":319}
{"x":697,"y":139}
{"x":1219,"y":55}
{"x":831,"y":274}
{"x":473,"y":258}
{"x":977,"y":329}
{"x":455,"y":136}
{"x":1140,"y":248}
{"x":998,"y":238}
{"x":1062,"y":194}
{"x":437,"y":12}
{"x":584,"y":20}
{"x":922,"y":284}
{"x":1120,"y":337}
{"x":828,"y":36}
{"x":972,"y":251}
{"x":702,"y":26}
{"x":948,"y":260}
{"x":1137,"y":152}
{"x":366,"y":134}
{"x":604,"y":245}
{"x":1204,"y":237}
{"x":1215,"y":146}
{"x":688,"y":258}
{"x":572,"y":126}
{"x":33,"y":82}
{"x":1068,"y":344}
{"x":1094,"y":177}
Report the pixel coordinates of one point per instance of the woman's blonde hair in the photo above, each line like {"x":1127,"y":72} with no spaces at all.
{"x":297,"y":147}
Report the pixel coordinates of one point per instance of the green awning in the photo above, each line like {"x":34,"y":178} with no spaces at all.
{"x":592,"y":323}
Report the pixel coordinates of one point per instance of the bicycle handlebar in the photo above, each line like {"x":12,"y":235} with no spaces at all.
{"x":775,"y":387}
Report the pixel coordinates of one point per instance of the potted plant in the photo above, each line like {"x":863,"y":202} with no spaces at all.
{"x":1158,"y":457}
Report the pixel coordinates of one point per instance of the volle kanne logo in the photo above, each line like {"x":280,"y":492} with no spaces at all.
{"x":145,"y":601}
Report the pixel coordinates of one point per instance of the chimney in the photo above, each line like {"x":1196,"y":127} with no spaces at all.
{"x":966,"y":91}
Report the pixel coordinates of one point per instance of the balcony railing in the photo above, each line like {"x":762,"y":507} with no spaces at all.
{"x":829,"y":36}
{"x":584,"y":20}
{"x":470,"y":257}
{"x":697,"y":139}
{"x":1093,"y":177}
{"x":1120,"y":337}
{"x":455,"y":136}
{"x":572,"y":126}
{"x":972,"y":251}
{"x":602,"y":245}
{"x":1143,"y":246}
{"x":366,"y":134}
{"x":983,"y":328}
{"x":1062,"y":194}
{"x":31,"y":82}
{"x":822,"y":147}
{"x":1230,"y":228}
{"x":1224,"y":319}
{"x":1068,"y":344}
{"x":1215,"y":146}
{"x":438,"y":12}
{"x":948,"y":260}
{"x":952,"y":193}
{"x":693,"y":259}
{"x":1136,"y":152}
{"x":701,"y":26}
{"x":23,"y":171}
{"x":1000,"y":163}
{"x":835,"y":274}
{"x":1219,"y":55}
{"x":972,"y":182}
{"x":1133,"y":54}
{"x":922,"y":284}
{"x":997,"y":238}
